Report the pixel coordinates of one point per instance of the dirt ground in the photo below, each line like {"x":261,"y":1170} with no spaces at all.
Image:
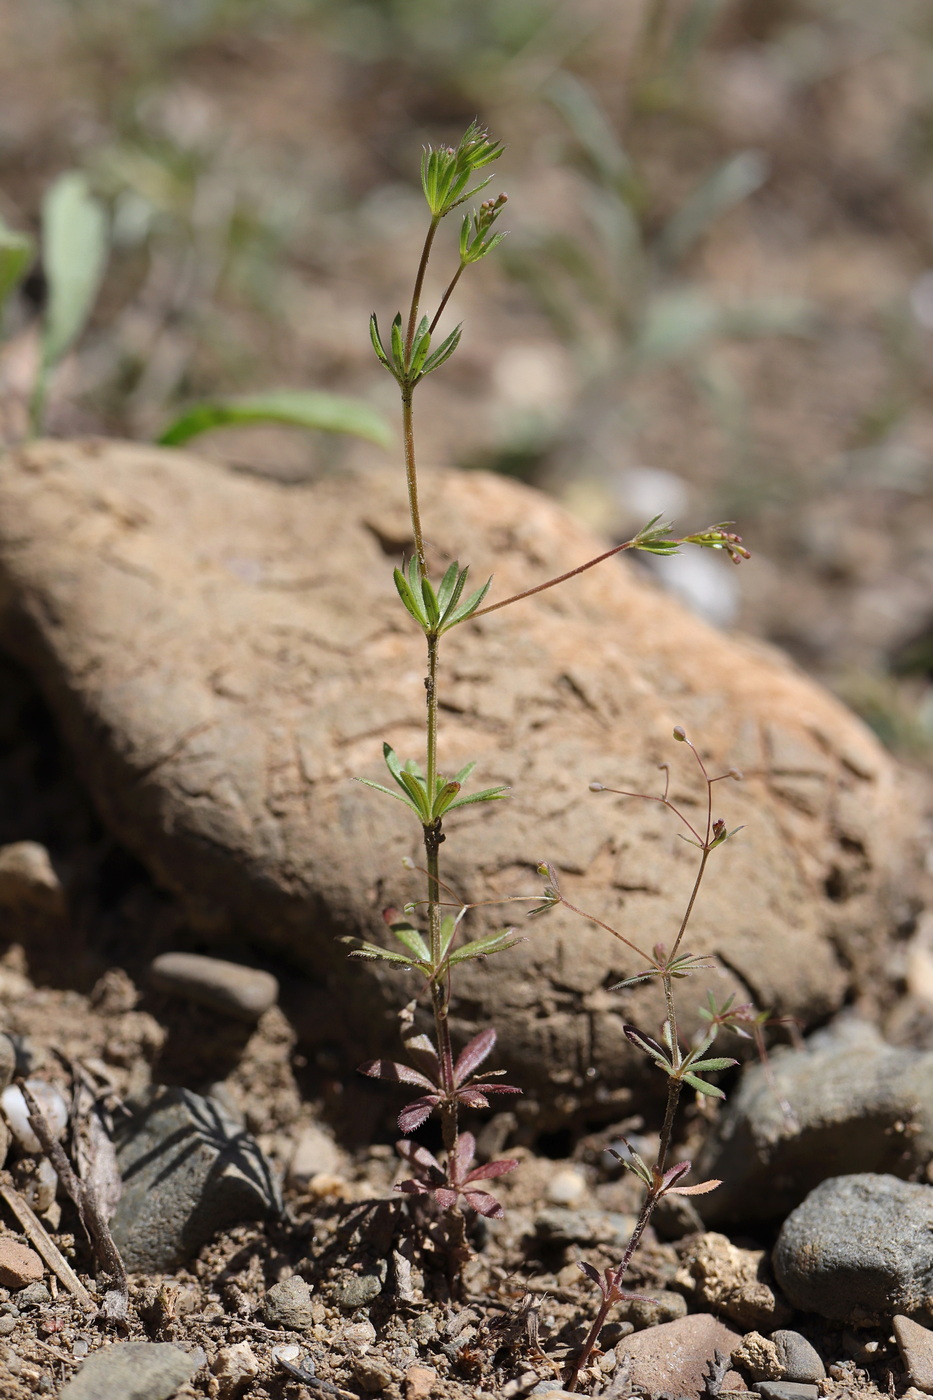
{"x":259,"y":161}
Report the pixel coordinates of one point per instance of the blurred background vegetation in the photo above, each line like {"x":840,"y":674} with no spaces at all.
{"x":716,"y":299}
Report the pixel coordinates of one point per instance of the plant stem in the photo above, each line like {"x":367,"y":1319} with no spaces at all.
{"x":433,"y":836}
{"x":693,"y":896}
{"x":446,"y":297}
{"x":419,"y":284}
{"x":408,"y":433}
{"x":561,"y":578}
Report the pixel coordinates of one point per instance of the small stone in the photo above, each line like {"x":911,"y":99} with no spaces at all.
{"x":133,"y":1371}
{"x":357,"y":1290}
{"x":916,"y":1348}
{"x":288,"y":1304}
{"x":28,"y":881}
{"x":242,"y":992}
{"x":733,"y":1281}
{"x":759,"y":1357}
{"x":34,"y":1295}
{"x":7,"y":1061}
{"x":859,"y":1249}
{"x":787,"y":1390}
{"x":653,"y":1310}
{"x":674,"y":1356}
{"x":676,"y":1216}
{"x":799,"y":1358}
{"x":16,"y":1112}
{"x":558,"y":1225}
{"x":19,"y":1265}
{"x":316,"y":1154}
{"x":373,"y":1373}
{"x":419,"y":1382}
{"x":234,"y":1367}
{"x":188,"y":1171}
{"x":7,"y":1326}
{"x":566,"y":1186}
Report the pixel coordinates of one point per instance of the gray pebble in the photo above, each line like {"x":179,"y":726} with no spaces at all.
{"x":787,"y":1390}
{"x":859,"y":1248}
{"x":288,"y":1304}
{"x":372,"y":1373}
{"x":188,"y":1171}
{"x":34,"y":1295}
{"x":653,"y":1309}
{"x":242,"y":992}
{"x":857,"y":1105}
{"x":133,"y":1371}
{"x":800,"y":1359}
{"x":7,"y":1061}
{"x":558,"y":1225}
{"x":7,"y":1325}
{"x":357,"y":1290}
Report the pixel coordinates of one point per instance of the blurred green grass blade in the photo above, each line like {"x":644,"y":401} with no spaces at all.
{"x":589,"y":124}
{"x":74,"y":254}
{"x":728,"y":185}
{"x":16,"y":253}
{"x":330,"y":413}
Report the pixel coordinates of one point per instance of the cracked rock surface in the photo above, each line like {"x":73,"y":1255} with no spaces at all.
{"x":224,"y":654}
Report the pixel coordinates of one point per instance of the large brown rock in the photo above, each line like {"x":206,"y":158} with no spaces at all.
{"x":225,"y":653}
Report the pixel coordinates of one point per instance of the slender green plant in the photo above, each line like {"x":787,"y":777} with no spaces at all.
{"x":683,"y":1067}
{"x":448,"y":1082}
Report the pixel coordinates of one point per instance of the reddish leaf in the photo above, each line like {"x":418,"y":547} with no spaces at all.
{"x":396,"y":1073}
{"x":484,"y":1204}
{"x":445,"y":1196}
{"x":592,"y":1274}
{"x":423,"y":1054}
{"x":490,"y":1169}
{"x":463,"y":1156}
{"x":420,"y":1158}
{"x":472,"y":1097}
{"x":412,"y":1188}
{"x":473,"y":1055}
{"x":496,"y":1088}
{"x":700,"y":1189}
{"x":416,"y":1112}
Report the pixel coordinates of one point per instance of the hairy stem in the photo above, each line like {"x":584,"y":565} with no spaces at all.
{"x":408,"y":434}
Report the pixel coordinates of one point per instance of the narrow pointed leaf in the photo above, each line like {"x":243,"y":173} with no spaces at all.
{"x":399,"y":797}
{"x":410,"y":600}
{"x":74,"y":253}
{"x":410,"y":938}
{"x":295,"y":408}
{"x":487,"y":795}
{"x":398,"y":348}
{"x":374,"y":952}
{"x":489,"y":1170}
{"x":701,"y":1188}
{"x":472,"y":1097}
{"x":376,"y":339}
{"x":447,"y":585}
{"x":473,"y":1055}
{"x":431,"y":611}
{"x":483,"y":947}
{"x":702,"y":1087}
{"x":468,"y":608}
{"x":721,"y":1062}
{"x":443,"y":351}
{"x":445,"y":798}
{"x":448,"y":929}
{"x":416,"y":1113}
{"x":394,"y":1073}
{"x":449,"y":607}
{"x":420,"y":346}
{"x":464,"y":773}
